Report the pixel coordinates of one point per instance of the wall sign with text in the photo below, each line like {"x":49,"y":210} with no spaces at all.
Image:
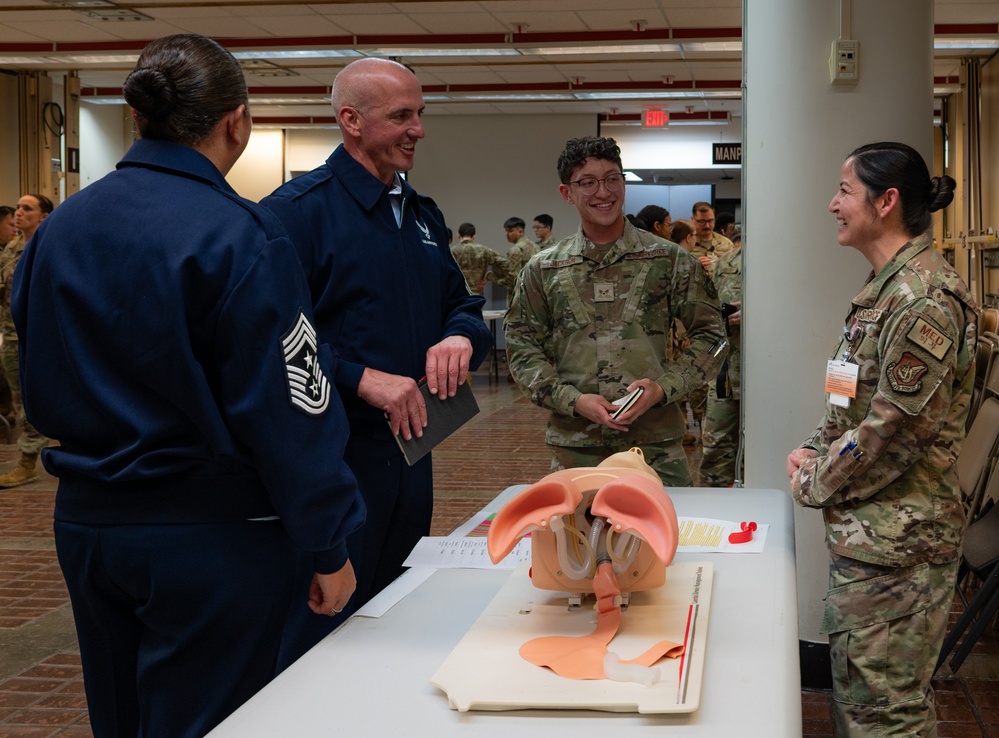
{"x":726,"y":153}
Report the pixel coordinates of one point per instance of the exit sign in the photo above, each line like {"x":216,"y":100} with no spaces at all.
{"x":655,"y":119}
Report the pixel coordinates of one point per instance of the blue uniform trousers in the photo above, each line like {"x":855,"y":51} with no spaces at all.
{"x":178,"y":624}
{"x":400,"y":505}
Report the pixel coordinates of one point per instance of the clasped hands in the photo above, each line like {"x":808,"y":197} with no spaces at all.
{"x":399,"y":397}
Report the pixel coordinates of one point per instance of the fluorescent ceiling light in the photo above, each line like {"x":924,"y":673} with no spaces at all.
{"x":97,"y":59}
{"x":439,"y":52}
{"x":513,"y":96}
{"x":657,"y":95}
{"x":104,"y":100}
{"x":619,"y":49}
{"x":81,"y":3}
{"x":717,"y":122}
{"x":631,"y":177}
{"x":289,"y":100}
{"x":965,"y":43}
{"x":947,"y":90}
{"x":11,"y":60}
{"x":299,"y":54}
{"x":708,"y":46}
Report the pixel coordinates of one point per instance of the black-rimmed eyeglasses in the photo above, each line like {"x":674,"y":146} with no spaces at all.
{"x":589,"y":185}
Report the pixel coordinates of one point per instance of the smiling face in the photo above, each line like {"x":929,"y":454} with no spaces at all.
{"x":602,"y":211}
{"x":382,"y":127}
{"x":856,"y":217}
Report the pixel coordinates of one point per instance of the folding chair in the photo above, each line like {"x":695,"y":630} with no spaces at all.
{"x":988,"y":321}
{"x":986,"y":351}
{"x":977,"y":457}
{"x":981,"y":553}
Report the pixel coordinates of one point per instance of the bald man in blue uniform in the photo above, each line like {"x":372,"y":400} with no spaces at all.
{"x":388,"y":295}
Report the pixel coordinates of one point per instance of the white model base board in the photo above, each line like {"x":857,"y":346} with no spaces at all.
{"x":486,"y":672}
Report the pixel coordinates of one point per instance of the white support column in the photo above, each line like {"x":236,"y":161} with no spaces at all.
{"x":799,"y":127}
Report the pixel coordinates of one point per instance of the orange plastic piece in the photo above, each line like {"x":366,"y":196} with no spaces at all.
{"x":530,"y":510}
{"x":582,"y":657}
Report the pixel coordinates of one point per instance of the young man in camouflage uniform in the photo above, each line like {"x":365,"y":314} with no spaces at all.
{"x":720,"y":425}
{"x":522,"y":249}
{"x":881,"y":466}
{"x":543,"y":230}
{"x":478,"y":263}
{"x":590,"y":321}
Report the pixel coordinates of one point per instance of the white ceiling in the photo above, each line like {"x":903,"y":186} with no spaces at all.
{"x":557,"y":52}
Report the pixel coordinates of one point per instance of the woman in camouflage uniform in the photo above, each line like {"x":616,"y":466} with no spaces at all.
{"x":882,"y":463}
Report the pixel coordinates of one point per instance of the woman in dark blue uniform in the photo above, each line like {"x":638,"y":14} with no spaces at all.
{"x":167,"y":344}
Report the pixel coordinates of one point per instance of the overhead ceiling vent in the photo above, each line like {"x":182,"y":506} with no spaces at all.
{"x":111,"y":13}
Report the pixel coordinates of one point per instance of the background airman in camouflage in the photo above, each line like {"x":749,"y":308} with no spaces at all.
{"x":477,"y":262}
{"x":720,"y":425}
{"x":521,"y":250}
{"x":590,"y":320}
{"x":882,"y":468}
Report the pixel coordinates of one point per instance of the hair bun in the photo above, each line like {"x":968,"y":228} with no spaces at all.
{"x":151,"y":93}
{"x":941,"y":193}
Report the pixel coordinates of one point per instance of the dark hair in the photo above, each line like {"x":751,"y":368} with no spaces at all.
{"x":653,"y":214}
{"x":5,"y":210}
{"x":722,"y":220}
{"x":44,"y":204}
{"x":881,"y":166}
{"x":514,"y":223}
{"x":466,"y":229}
{"x":637,"y":222}
{"x":578,"y":150}
{"x":181,"y":87}
{"x":701,"y":206}
{"x":545,"y":219}
{"x":681,"y":229}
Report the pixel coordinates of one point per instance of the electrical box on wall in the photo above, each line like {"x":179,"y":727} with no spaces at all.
{"x":844,"y":62}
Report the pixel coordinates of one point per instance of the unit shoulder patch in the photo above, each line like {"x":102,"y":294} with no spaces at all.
{"x":904,"y":375}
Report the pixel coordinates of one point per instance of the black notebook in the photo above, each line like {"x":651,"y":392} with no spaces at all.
{"x":444,"y":417}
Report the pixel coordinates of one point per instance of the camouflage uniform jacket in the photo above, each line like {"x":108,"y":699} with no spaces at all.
{"x":728,"y":281}
{"x":545,"y":243}
{"x":475,"y":261}
{"x":518,"y":256}
{"x":591,"y":320}
{"x":9,"y":257}
{"x":717,"y":246}
{"x":885,"y":475}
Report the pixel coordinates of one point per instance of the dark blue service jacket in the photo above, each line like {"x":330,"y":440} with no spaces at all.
{"x":382,"y":294}
{"x":151,"y":309}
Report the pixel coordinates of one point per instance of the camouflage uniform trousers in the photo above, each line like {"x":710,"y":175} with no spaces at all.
{"x":30,"y":441}
{"x":719,"y":441}
{"x":886,"y":626}
{"x":697,"y":400}
{"x":667,"y":458}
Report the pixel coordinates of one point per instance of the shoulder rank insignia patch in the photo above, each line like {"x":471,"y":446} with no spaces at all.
{"x":904,"y":375}
{"x":308,"y":388}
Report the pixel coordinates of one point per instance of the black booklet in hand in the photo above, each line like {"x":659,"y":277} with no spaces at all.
{"x":444,"y":417}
